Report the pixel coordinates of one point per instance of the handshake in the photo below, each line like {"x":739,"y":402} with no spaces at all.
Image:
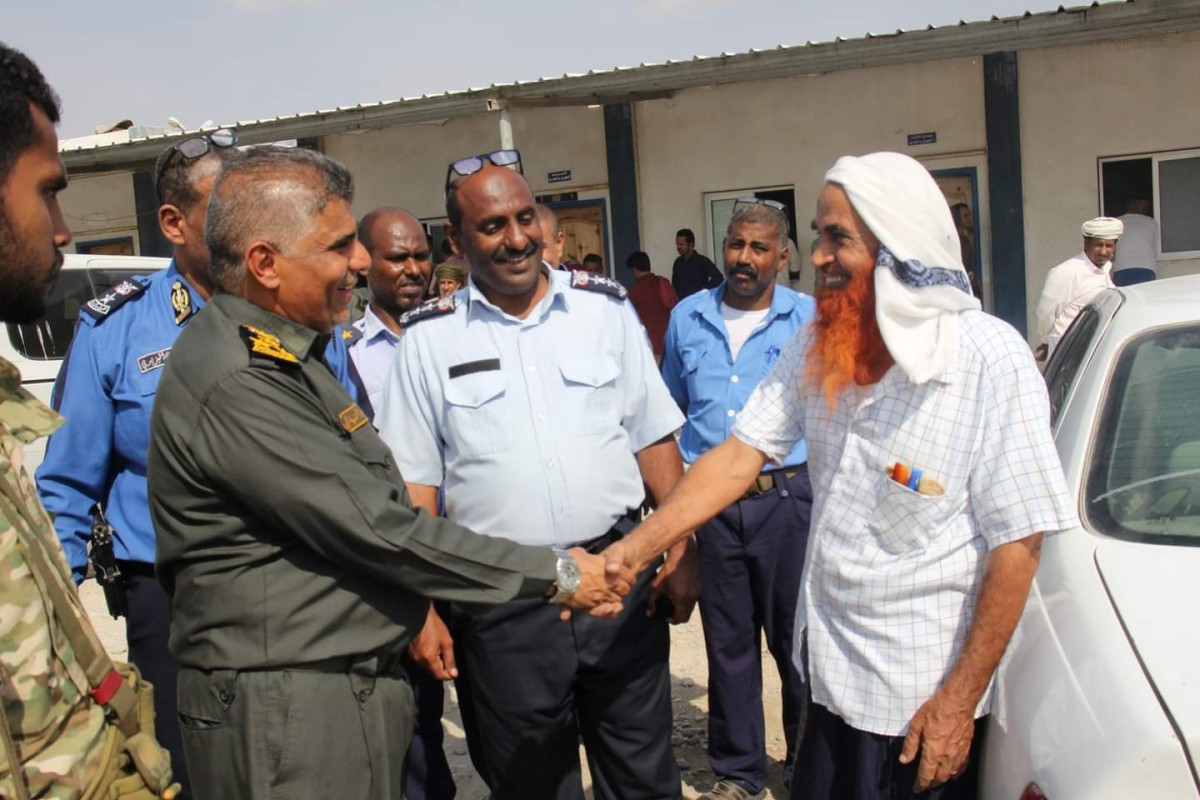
{"x":606,"y":579}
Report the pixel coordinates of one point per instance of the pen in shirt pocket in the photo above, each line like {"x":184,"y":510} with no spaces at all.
{"x":915,"y":479}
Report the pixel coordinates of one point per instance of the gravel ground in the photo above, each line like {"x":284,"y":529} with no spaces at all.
{"x":689,"y":681}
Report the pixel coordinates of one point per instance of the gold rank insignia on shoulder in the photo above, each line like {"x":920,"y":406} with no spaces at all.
{"x":181,"y":301}
{"x":267,"y":345}
{"x":352,"y":418}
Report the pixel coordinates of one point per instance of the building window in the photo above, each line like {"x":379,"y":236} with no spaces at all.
{"x":719,"y":208}
{"x":1171,"y":182}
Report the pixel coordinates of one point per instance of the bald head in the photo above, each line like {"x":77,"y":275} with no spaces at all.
{"x":400,"y":259}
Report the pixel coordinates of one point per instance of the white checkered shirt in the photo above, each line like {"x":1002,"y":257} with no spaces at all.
{"x":891,"y":575}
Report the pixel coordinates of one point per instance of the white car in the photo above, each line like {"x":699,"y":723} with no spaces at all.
{"x":38,"y":349}
{"x":1099,"y":694}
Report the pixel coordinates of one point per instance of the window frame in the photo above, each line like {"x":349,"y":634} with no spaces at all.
{"x":1155,"y":158}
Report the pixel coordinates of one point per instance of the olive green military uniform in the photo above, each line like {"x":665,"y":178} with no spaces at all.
{"x":297,"y":569}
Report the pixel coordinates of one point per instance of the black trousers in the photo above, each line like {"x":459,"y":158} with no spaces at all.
{"x":427,"y":774}
{"x":838,"y":762}
{"x":538,"y":684}
{"x":147,"y":628}
{"x":751,"y":559}
{"x":295,"y":734}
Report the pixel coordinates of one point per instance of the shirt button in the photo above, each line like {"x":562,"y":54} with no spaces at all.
{"x":362,"y":696}
{"x":223,"y":696}
{"x":734,"y":379}
{"x":550,"y":463}
{"x":731,"y":413}
{"x":531,"y":369}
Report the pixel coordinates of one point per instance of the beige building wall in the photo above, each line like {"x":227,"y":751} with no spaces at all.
{"x":1083,"y":103}
{"x":789,"y":132}
{"x":406,"y":166}
{"x":100,"y":206}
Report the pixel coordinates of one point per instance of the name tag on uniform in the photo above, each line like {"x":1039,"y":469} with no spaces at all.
{"x":352,"y":418}
{"x":152,"y":361}
{"x":471,"y":367}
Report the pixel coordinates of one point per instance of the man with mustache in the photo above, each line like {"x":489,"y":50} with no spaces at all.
{"x":68,"y":712}
{"x":720,"y":343}
{"x":533,"y":397}
{"x":1074,"y":283}
{"x":297,"y":569}
{"x":400,"y":267}
{"x":934,"y":479}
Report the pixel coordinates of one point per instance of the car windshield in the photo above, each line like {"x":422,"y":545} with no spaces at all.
{"x":1144,"y":476}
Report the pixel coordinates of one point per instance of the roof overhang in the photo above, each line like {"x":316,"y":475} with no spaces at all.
{"x":1064,"y":27}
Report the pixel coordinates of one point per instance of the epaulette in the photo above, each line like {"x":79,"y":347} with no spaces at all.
{"x":351,"y":334}
{"x":592,"y":282}
{"x":266,"y":345}
{"x":102,"y":307}
{"x":437,"y":307}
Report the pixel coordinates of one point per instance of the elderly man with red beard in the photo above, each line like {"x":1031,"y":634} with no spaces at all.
{"x":934,"y":480}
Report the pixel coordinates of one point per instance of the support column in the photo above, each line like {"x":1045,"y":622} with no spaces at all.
{"x":1002,"y":114}
{"x":622,"y":186}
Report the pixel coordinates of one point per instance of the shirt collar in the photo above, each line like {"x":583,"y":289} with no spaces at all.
{"x":556,"y":294}
{"x":373,"y":326}
{"x":1088,"y":262}
{"x":296,"y":338}
{"x":782,"y":304}
{"x":173,"y":274}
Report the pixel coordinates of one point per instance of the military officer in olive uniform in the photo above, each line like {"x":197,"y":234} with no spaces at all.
{"x":296,"y":567}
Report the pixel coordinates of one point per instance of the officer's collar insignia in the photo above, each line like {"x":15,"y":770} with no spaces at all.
{"x":581,"y":279}
{"x":267,"y":345}
{"x":181,"y":301}
{"x":153,"y":361}
{"x":104,"y":305}
{"x":350,"y":335}
{"x":352,"y":418}
{"x":437,"y":307}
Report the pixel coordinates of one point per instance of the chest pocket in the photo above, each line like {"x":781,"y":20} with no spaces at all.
{"x":905,"y":520}
{"x":474,"y":413}
{"x":590,"y":394}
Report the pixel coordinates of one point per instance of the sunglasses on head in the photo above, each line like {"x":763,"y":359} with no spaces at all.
{"x":750,"y":200}
{"x":191,"y":149}
{"x":472,"y":164}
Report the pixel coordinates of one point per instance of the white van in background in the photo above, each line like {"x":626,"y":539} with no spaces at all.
{"x":37,"y":349}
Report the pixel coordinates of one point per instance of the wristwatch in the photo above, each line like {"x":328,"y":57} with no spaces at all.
{"x":567,"y":580}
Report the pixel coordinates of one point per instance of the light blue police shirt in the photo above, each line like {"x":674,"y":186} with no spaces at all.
{"x":373,"y":352}
{"x":106,"y":390}
{"x":532,"y":424}
{"x":706,"y":381}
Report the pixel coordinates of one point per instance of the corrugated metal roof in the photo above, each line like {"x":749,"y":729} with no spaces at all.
{"x":1063,"y":26}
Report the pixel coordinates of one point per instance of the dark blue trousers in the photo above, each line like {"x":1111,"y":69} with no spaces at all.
{"x":427,"y":774}
{"x":838,"y":762}
{"x":751,"y":558}
{"x":147,"y":628}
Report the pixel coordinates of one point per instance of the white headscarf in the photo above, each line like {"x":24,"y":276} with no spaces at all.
{"x":920,"y":284}
{"x":1103,"y":228}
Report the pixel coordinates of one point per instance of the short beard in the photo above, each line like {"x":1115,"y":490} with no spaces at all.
{"x":847,"y":345}
{"x":24,"y":297}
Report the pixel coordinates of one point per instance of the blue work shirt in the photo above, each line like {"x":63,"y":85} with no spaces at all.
{"x":106,"y":390}
{"x":533,"y":424}
{"x":373,"y":350}
{"x":702,"y":375}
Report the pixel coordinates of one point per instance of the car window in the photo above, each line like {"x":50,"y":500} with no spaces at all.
{"x":50,"y":337}
{"x":1068,"y":358}
{"x":1144,"y":475}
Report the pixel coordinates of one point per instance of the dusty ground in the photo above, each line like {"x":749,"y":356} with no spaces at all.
{"x":689,"y":678}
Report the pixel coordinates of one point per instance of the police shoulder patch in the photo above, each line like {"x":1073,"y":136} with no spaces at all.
{"x":590,"y":281}
{"x":438,"y":307}
{"x":102,"y":307}
{"x":266,"y":345}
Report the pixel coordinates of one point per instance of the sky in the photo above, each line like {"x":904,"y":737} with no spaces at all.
{"x":237,"y":60}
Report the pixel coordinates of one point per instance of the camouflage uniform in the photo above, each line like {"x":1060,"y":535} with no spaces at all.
{"x":53,"y":722}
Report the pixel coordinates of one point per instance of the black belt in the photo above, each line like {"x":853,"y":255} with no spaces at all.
{"x":615,"y":534}
{"x":775,"y":479}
